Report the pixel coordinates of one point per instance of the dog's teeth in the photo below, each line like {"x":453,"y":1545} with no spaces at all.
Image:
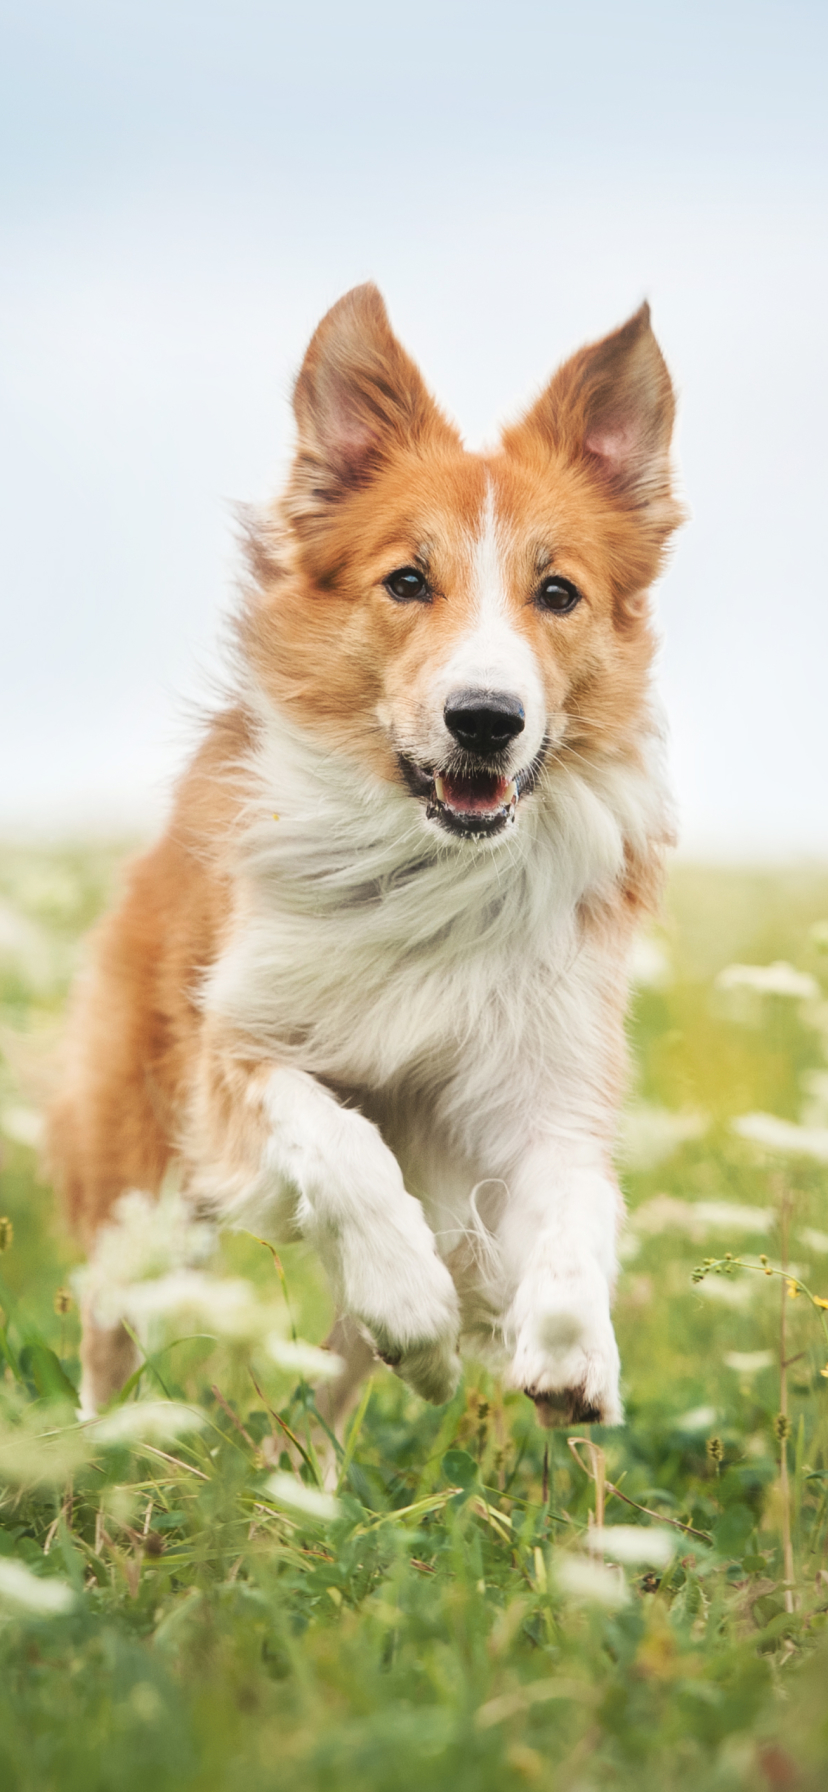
{"x":439,"y":790}
{"x":510,"y":793}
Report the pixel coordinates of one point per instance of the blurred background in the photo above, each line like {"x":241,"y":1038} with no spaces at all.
{"x":186,"y":187}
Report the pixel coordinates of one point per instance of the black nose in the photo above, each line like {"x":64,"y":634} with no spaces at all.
{"x":483,"y":722}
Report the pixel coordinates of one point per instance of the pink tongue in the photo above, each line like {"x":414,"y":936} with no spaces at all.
{"x":475,"y":796}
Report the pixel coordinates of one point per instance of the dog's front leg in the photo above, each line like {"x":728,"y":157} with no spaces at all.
{"x":558,"y":1243}
{"x":325,"y":1172}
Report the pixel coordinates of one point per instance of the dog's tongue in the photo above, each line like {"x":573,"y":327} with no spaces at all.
{"x":482,"y":794}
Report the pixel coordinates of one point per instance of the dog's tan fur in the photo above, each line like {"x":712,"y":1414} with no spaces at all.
{"x":379,"y":476}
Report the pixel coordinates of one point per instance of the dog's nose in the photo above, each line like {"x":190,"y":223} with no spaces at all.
{"x":483,"y":722}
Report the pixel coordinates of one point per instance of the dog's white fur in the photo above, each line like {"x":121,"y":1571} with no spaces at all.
{"x":446,"y":986}
{"x":428,"y":1026}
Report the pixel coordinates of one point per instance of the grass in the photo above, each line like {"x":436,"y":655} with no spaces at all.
{"x":173,"y":1617}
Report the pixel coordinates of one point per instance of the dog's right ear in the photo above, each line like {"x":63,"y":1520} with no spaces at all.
{"x":358,"y":397}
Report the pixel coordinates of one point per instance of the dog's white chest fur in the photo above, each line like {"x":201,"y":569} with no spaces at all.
{"x":380,"y":958}
{"x":454,"y":999}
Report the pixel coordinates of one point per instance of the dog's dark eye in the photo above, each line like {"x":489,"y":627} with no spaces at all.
{"x":407,"y":585}
{"x":558,"y":595}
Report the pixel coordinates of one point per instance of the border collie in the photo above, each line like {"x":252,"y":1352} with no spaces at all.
{"x":369,"y":987}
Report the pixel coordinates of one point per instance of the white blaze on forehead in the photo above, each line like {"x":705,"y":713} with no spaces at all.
{"x":487,"y":567}
{"x":493,"y":655}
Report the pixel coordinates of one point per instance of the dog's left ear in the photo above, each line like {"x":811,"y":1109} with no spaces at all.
{"x":611,"y":409}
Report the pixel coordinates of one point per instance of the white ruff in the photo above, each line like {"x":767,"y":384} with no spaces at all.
{"x":373,"y":952}
{"x":448,"y":991}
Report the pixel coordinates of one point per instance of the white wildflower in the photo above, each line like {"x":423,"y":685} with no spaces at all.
{"x":591,"y":1582}
{"x":147,"y":1270}
{"x":629,"y":1247}
{"x":52,"y":891}
{"x":147,"y":1421}
{"x":726,"y":1290}
{"x":700,"y":1418}
{"x":731,"y":1216}
{"x":652,"y":1545}
{"x":815,"y":1241}
{"x":146,"y":1701}
{"x":221,"y":1306}
{"x":783,"y":1137}
{"x":649,"y":965}
{"x":139,"y":1256}
{"x":814,"y":1111}
{"x":27,"y":949}
{"x":144,"y":1238}
{"x":289,"y":1491}
{"x":304,"y":1359}
{"x":122,"y":1503}
{"x":667,"y":1213}
{"x":749,"y":1362}
{"x":23,"y":1125}
{"x":650,"y":1134}
{"x":817,"y":1017}
{"x":23,"y":1591}
{"x":33,"y":1458}
{"x":779,"y":979}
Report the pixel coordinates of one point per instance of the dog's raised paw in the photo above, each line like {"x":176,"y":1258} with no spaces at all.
{"x":564,"y":1406}
{"x":405,"y":1302}
{"x":431,"y":1368}
{"x":566,"y":1357}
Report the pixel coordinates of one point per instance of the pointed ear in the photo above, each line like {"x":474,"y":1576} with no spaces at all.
{"x":611,"y":408}
{"x":357,"y":397}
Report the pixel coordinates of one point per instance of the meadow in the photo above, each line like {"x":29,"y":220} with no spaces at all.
{"x":468,"y":1604}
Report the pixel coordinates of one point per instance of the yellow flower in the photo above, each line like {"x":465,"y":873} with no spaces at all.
{"x":792,"y":1290}
{"x":825,"y":1371}
{"x":6,"y":1234}
{"x":820,"y":1303}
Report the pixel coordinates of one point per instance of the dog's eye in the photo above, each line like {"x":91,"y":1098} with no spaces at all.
{"x":407,"y":585}
{"x":558,"y":595}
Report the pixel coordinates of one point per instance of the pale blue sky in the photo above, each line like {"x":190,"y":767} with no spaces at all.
{"x":185,"y":188}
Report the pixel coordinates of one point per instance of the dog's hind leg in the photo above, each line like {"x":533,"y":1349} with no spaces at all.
{"x":336,"y":1399}
{"x":108,"y":1358}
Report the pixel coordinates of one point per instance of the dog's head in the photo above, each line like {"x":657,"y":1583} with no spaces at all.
{"x":458,"y":620}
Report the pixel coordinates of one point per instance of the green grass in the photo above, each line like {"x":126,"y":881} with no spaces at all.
{"x":429,"y":1634}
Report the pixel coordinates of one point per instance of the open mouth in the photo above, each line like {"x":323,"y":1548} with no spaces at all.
{"x":478,"y":802}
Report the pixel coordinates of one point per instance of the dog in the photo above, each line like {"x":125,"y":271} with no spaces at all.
{"x":369,"y":987}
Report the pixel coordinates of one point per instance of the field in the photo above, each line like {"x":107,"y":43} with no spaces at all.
{"x":477,"y":1606}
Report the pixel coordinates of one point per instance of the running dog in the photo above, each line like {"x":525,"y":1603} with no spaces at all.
{"x":369,"y":987}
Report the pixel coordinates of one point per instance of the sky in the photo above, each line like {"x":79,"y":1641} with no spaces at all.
{"x":185,"y":188}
